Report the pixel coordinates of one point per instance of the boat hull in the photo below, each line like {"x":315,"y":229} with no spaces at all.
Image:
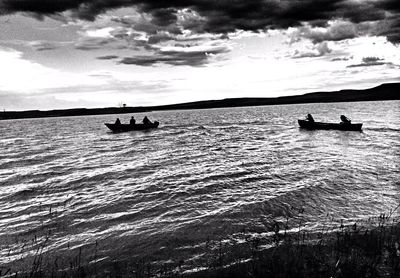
{"x":128,"y":127}
{"x":326,"y":126}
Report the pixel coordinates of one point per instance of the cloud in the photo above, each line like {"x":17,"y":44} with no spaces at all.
{"x":335,"y":31}
{"x":45,"y":45}
{"x":341,"y":59}
{"x":107,"y":57}
{"x":339,"y":30}
{"x":392,"y":30}
{"x":40,"y":45}
{"x":29,"y":102}
{"x":318,"y":50}
{"x":224,"y":16}
{"x":371,"y":61}
{"x":367,"y":64}
{"x":171,"y":58}
{"x":21,"y":75}
{"x":93,"y":43}
{"x":150,"y":44}
{"x":152,"y":25}
{"x":178,"y":56}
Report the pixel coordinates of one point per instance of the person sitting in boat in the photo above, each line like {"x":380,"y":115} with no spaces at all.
{"x":118,"y":122}
{"x":310,"y":118}
{"x":132,"y":121}
{"x":146,"y":121}
{"x":345,"y":120}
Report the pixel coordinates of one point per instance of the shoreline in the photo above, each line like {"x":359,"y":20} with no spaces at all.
{"x":351,"y":250}
{"x":387,"y":91}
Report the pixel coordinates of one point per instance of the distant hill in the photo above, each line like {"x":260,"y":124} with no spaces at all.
{"x":388,"y":91}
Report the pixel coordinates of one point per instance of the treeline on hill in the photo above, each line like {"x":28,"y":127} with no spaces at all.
{"x":389,"y":91}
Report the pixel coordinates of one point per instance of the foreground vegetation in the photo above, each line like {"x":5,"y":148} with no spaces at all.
{"x":349,"y":252}
{"x":357,"y":250}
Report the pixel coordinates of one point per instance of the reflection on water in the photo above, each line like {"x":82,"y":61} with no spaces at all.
{"x":202,"y":175}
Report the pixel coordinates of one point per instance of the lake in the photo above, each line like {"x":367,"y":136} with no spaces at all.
{"x":204,"y":176}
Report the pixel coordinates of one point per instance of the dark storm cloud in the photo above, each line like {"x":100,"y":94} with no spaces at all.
{"x":222,"y":15}
{"x":392,"y":5}
{"x":392,"y":33}
{"x":336,"y":31}
{"x":166,"y":21}
{"x":164,"y":17}
{"x":84,"y":9}
{"x":174,"y":57}
{"x":361,"y":12}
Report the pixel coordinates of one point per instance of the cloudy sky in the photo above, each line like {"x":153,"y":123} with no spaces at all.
{"x":101,"y":53}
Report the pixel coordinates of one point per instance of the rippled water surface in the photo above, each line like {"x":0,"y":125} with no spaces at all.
{"x":202,"y":175}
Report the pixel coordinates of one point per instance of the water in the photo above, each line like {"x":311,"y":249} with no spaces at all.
{"x":204,"y":175}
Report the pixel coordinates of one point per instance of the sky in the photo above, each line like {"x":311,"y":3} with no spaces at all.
{"x":105,"y":53}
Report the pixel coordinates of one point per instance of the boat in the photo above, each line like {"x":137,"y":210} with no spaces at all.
{"x":319,"y":125}
{"x":129,"y":127}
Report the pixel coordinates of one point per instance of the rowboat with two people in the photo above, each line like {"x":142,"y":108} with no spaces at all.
{"x":345,"y":124}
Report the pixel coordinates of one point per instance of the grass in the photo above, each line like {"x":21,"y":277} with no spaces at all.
{"x":357,"y":250}
{"x":351,"y":251}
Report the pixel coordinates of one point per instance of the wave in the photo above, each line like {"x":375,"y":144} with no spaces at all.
{"x":382,"y":129}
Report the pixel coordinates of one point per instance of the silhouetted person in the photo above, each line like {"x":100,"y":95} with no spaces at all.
{"x":345,"y":120}
{"x":132,"y":121}
{"x":146,"y":121}
{"x":310,"y":118}
{"x":117,"y":122}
